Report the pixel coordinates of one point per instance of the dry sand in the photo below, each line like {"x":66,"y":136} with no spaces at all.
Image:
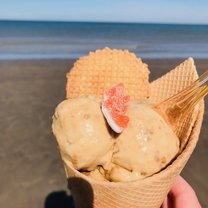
{"x":31,"y":170}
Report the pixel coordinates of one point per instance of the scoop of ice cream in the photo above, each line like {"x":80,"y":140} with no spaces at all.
{"x":146,"y":146}
{"x":82,"y":134}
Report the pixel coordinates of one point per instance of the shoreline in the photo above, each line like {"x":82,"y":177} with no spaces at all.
{"x":157,"y":66}
{"x":72,"y":59}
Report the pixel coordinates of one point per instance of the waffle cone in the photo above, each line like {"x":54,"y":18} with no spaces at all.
{"x":149,"y":192}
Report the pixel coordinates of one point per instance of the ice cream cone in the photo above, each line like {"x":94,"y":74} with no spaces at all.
{"x":151,"y":191}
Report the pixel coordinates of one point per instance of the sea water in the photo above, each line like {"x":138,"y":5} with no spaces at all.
{"x":49,"y":40}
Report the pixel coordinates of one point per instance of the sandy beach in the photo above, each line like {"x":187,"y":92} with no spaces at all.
{"x":31,"y":170}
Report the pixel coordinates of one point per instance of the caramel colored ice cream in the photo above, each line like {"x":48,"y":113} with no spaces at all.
{"x":146,"y":146}
{"x":82,"y":134}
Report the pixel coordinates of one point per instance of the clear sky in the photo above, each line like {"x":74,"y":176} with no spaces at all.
{"x":156,"y":11}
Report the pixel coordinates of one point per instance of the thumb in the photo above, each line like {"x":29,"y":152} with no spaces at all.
{"x":183,"y":195}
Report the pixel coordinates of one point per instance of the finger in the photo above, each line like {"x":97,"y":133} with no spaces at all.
{"x":183,"y":195}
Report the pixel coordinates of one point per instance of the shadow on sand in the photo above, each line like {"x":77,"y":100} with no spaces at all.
{"x":59,"y":199}
{"x":82,"y":192}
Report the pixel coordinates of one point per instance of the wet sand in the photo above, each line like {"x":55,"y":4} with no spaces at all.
{"x":31,"y":170}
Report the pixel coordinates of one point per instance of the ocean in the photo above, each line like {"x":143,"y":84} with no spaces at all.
{"x":60,"y":40}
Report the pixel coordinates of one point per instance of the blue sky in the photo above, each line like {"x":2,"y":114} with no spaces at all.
{"x":158,"y":11}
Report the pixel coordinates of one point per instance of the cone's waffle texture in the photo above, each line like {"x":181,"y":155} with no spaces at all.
{"x":149,"y":192}
{"x":105,"y":68}
{"x":172,"y":83}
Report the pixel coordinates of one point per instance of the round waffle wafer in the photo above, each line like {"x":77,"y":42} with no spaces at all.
{"x":93,"y":74}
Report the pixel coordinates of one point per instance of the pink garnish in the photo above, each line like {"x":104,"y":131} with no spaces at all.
{"x":114,"y":107}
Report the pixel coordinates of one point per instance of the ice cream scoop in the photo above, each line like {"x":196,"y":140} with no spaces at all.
{"x":82,"y":134}
{"x":146,"y":146}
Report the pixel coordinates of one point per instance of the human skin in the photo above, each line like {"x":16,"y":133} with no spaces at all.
{"x":181,"y":195}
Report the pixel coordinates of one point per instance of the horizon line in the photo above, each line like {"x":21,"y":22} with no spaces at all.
{"x":103,"y":22}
